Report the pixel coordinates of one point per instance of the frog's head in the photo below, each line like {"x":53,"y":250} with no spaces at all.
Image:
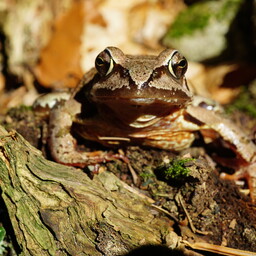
{"x":140,"y":88}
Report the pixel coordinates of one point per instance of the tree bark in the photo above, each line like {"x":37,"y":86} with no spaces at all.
{"x":59,"y":210}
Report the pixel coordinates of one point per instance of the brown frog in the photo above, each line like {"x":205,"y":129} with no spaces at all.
{"x":141,"y":100}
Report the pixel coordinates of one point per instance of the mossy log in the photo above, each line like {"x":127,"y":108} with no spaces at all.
{"x":59,"y":210}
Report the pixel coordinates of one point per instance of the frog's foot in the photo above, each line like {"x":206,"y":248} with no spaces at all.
{"x":63,"y":146}
{"x":249,"y":174}
{"x":83,"y":159}
{"x":64,"y":150}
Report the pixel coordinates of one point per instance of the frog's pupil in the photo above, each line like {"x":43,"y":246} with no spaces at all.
{"x":99,"y":61}
{"x":182,"y":63}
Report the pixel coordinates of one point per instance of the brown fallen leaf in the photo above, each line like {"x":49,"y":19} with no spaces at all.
{"x":59,"y":64}
{"x":221,"y":82}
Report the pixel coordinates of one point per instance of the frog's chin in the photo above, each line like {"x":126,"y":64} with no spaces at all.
{"x":144,"y":121}
{"x":147,"y":101}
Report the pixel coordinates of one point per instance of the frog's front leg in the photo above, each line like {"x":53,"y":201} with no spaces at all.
{"x":63,"y":145}
{"x":227,"y":130}
{"x":239,"y":142}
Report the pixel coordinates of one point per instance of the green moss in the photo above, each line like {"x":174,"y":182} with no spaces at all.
{"x":199,"y":15}
{"x":189,"y":20}
{"x":176,"y":169}
{"x":228,"y":9}
{"x":246,"y":102}
{"x":2,"y":243}
{"x":21,"y":108}
{"x":2,"y":234}
{"x":20,"y":113}
{"x":147,"y":176}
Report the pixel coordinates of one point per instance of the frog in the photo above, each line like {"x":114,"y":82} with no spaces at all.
{"x":140,"y":100}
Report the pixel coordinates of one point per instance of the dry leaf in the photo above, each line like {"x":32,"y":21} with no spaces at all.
{"x":220,"y":82}
{"x":2,"y":82}
{"x":135,"y":26}
{"x":149,"y":21}
{"x":60,"y":60}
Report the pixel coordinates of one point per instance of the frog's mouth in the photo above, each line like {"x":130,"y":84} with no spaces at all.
{"x":138,"y":112}
{"x":150,"y":110}
{"x":165,"y":101}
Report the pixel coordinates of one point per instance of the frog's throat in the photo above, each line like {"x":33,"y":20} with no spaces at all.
{"x":144,"y":121}
{"x":148,"y":101}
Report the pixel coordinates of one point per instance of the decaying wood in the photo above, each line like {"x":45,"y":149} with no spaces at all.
{"x":59,"y":210}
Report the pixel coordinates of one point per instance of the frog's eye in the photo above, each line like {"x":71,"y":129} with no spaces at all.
{"x":177,"y":65}
{"x":104,"y":63}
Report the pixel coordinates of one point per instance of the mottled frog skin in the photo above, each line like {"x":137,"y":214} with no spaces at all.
{"x":140,"y":100}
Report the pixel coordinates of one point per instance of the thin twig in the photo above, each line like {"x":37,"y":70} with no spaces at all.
{"x":193,"y":228}
{"x":223,"y":250}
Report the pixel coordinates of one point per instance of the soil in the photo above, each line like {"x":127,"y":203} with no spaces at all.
{"x":197,"y":200}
